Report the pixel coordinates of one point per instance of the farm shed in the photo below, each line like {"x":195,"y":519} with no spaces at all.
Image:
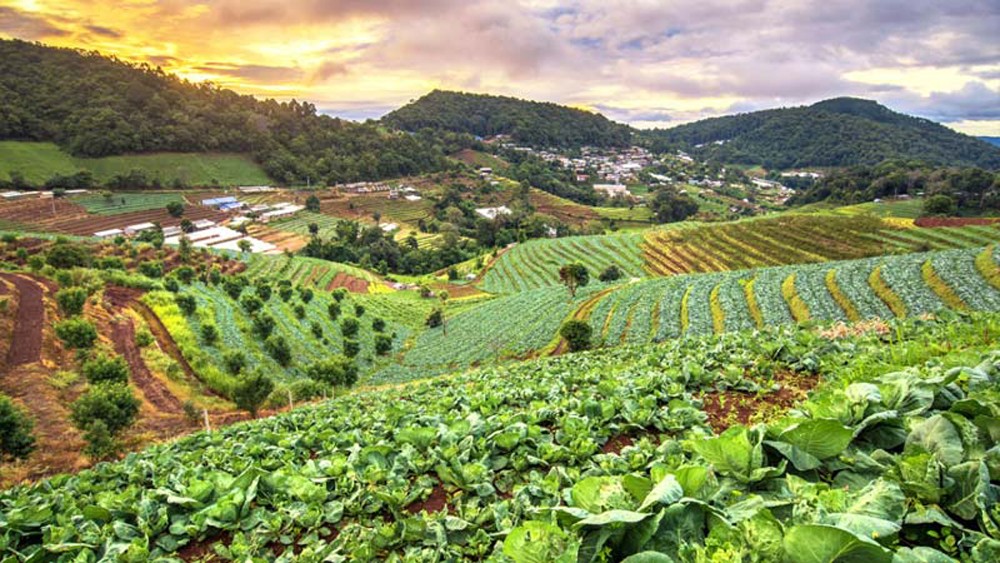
{"x":138,"y":228}
{"x":203,"y":224}
{"x":171,"y":231}
{"x":219,"y":201}
{"x":110,"y":233}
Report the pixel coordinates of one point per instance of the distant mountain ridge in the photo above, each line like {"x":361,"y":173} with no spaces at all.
{"x":537,"y":124}
{"x":991,"y":140}
{"x":834,"y":132}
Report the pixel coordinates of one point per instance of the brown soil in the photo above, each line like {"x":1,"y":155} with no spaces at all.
{"x":351,"y":283}
{"x":123,"y":336}
{"x":436,"y":502}
{"x":26,"y":344}
{"x":728,"y":408}
{"x":617,"y":443}
{"x":203,"y":550}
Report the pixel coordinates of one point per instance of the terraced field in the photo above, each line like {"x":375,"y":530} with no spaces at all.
{"x":121,"y":202}
{"x":536,"y":263}
{"x":315,"y":273}
{"x":66,"y":217}
{"x":796,"y":239}
{"x":882,"y":287}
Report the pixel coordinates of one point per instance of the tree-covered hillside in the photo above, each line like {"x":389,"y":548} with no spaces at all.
{"x":835,"y":132}
{"x":531,"y":123}
{"x":94,"y":106}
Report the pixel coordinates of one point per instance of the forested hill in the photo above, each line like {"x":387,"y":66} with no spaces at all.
{"x":94,"y":106}
{"x":537,"y":124}
{"x":835,"y":132}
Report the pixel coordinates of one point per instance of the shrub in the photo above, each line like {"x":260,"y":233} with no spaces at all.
{"x":359,"y":310}
{"x":251,"y":304}
{"x":577,"y":334}
{"x":186,"y":303}
{"x":435,"y":319}
{"x":191,"y":412}
{"x":378,"y":325}
{"x":610,"y":274}
{"x":16,"y":440}
{"x":235,"y":361}
{"x":285,"y":293}
{"x":349,"y":327}
{"x":939,"y":205}
{"x":339,"y":294}
{"x":76,"y":333}
{"x":383,"y":344}
{"x":185,"y":274}
{"x":143,"y":338}
{"x":71,"y":300}
{"x":277,"y":347}
{"x":9,"y":238}
{"x":300,"y":311}
{"x":316,"y":329}
{"x":351,"y":347}
{"x":111,"y":263}
{"x":105,"y":369}
{"x":36,"y":262}
{"x":171,"y":285}
{"x":306,"y":294}
{"x":67,"y":255}
{"x":250,"y":393}
{"x":209,"y":334}
{"x":263,"y":325}
{"x":175,"y":208}
{"x":232,"y":287}
{"x":101,"y":442}
{"x":264,"y":291}
{"x":335,"y":370}
{"x":333,"y":309}
{"x":111,"y":403}
{"x":151,"y":269}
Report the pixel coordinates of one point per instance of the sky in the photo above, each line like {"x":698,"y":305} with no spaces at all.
{"x":643,"y":62}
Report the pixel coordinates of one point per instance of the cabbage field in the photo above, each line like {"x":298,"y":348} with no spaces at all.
{"x":587,"y":457}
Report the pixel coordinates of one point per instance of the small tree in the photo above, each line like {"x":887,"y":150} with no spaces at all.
{"x":186,"y":303}
{"x":359,"y":310}
{"x":185,"y":274}
{"x":251,"y":304}
{"x":264,"y":291}
{"x":434,"y":319}
{"x":939,"y":205}
{"x":209,"y":334}
{"x":383,"y":344}
{"x":244,"y":245}
{"x":252,"y":391}
{"x":339,"y":294}
{"x":235,"y":361}
{"x":574,"y":276}
{"x":306,"y":294}
{"x":102,"y":413}
{"x":76,"y":333}
{"x":333,"y":309}
{"x":285,"y":293}
{"x":443,"y":297}
{"x":103,"y":368}
{"x":610,"y":274}
{"x":313,"y":229}
{"x":71,"y":300}
{"x":349,"y":327}
{"x":577,"y":334}
{"x":16,"y":440}
{"x":312,"y":203}
{"x":334,"y":370}
{"x":184,"y":249}
{"x":263,"y":325}
{"x":277,"y":347}
{"x":378,"y":324}
{"x":175,"y":209}
{"x":351,"y":347}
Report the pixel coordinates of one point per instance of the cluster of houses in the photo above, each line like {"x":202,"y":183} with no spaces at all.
{"x":263,"y":212}
{"x":409,"y":193}
{"x":363,"y":187}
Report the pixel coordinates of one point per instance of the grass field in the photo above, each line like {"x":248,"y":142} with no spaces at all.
{"x":40,"y":161}
{"x":96,"y":203}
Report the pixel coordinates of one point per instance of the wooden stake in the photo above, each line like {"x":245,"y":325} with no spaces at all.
{"x":291,"y":405}
{"x":208,"y":426}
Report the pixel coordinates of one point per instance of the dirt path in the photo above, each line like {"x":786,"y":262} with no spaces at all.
{"x":582,"y":313}
{"x":123,"y":335}
{"x":26,"y":344}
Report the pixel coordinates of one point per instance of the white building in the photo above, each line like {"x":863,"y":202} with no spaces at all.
{"x":131,"y":230}
{"x":110,"y":233}
{"x":612,"y":190}
{"x":492,"y":212}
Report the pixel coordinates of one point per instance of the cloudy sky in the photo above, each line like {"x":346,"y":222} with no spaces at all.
{"x":648,"y":63}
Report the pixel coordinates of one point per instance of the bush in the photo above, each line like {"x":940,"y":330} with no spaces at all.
{"x":171,"y":285}
{"x":235,"y":361}
{"x":610,"y":274}
{"x":209,"y":334}
{"x":252,"y":391}
{"x":151,"y":269}
{"x":378,"y":325}
{"x":577,"y":334}
{"x":339,"y":294}
{"x":186,"y":303}
{"x":264,"y":291}
{"x":383,"y":344}
{"x":316,"y":329}
{"x":351,"y":347}
{"x":349,"y":327}
{"x":185,"y":274}
{"x":300,"y":311}
{"x":333,"y":309}
{"x":111,"y":263}
{"x":105,"y":369}
{"x":16,"y":440}
{"x":76,"y":333}
{"x":143,"y":338}
{"x":305,"y":389}
{"x":101,"y":442}
{"x":335,"y":370}
{"x":191,"y":412}
{"x":285,"y":293}
{"x":36,"y":262}
{"x":175,"y":209}
{"x":251,"y":304}
{"x":277,"y":347}
{"x":111,"y":403}
{"x":71,"y":300}
{"x":67,"y":255}
{"x":939,"y":205}
{"x":306,"y":294}
{"x":232,"y":288}
{"x":359,"y":310}
{"x":435,"y":319}
{"x":263,"y":325}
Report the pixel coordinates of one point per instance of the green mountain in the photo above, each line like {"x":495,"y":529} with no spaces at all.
{"x":537,"y":124}
{"x":96,"y":106}
{"x":835,"y":132}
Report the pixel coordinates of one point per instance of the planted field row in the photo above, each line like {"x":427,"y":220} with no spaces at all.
{"x":120,"y":202}
{"x":796,"y":239}
{"x":315,"y":273}
{"x":542,"y":461}
{"x":536,"y":263}
{"x":904,"y":285}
